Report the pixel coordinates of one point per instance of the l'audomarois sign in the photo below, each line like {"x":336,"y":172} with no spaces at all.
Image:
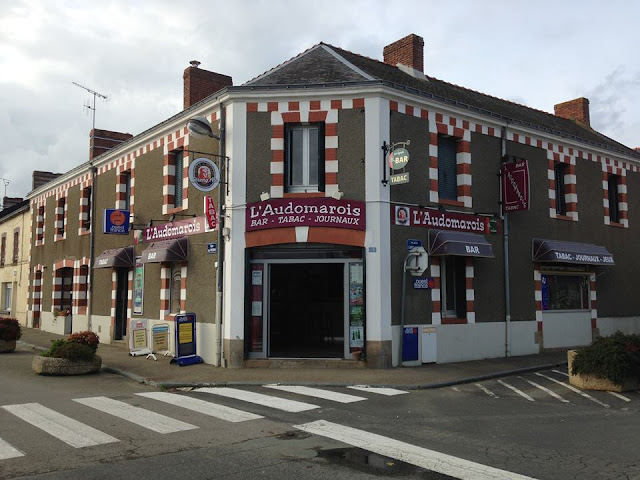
{"x":306,"y":212}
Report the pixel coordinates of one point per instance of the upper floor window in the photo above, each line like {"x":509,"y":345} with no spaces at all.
{"x":614,"y":207}
{"x":304,"y":160}
{"x":559,"y":172}
{"x":40,"y":225}
{"x":16,"y":246}
{"x":447,"y":168}
{"x":3,"y":249}
{"x":60,"y":217}
{"x":178,"y":163}
{"x":127,"y":190}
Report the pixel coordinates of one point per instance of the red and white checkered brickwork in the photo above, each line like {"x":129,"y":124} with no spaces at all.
{"x":613,"y":168}
{"x":60,"y":223}
{"x":41,"y":214}
{"x":165,"y":290}
{"x":436,"y":294}
{"x":129,"y":295}
{"x":571,"y":193}
{"x":314,"y":111}
{"x":36,"y":294}
{"x":80,"y":284}
{"x":537,"y":294}
{"x":125,"y":173}
{"x":183,"y":289}
{"x":58,"y":287}
{"x":114,"y":296}
{"x":592,"y":300}
{"x":84,"y":210}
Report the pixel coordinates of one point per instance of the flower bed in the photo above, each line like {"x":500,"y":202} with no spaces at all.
{"x":75,"y":355}
{"x":10,"y":331}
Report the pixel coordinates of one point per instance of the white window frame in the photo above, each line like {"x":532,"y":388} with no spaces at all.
{"x":7,"y":294}
{"x":306,"y":185}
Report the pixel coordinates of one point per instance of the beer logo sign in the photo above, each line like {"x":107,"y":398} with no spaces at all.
{"x":204,"y":174}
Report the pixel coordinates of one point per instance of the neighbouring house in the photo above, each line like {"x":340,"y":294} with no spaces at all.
{"x":335,"y":169}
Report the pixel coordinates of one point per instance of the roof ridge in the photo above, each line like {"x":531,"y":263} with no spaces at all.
{"x":283,"y":64}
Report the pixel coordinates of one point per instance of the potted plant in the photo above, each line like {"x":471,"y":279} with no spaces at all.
{"x":10,"y":332}
{"x":75,"y":355}
{"x":610,"y":363}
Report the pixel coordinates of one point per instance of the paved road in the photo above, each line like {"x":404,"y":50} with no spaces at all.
{"x":106,"y":427}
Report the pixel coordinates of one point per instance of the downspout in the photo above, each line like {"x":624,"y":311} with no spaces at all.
{"x":219,"y":359}
{"x":505,"y":237}
{"x":92,"y":237}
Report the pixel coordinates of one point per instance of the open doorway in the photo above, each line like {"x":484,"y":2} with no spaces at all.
{"x":122,"y":287}
{"x":307,"y":312}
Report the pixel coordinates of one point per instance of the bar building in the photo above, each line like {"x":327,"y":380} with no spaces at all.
{"x":316,"y":233}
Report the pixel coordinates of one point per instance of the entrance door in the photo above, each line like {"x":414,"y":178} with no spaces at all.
{"x":122,"y":287}
{"x":306,"y":310}
{"x":66,"y":301}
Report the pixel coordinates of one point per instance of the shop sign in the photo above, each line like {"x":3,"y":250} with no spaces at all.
{"x":515,"y":186}
{"x":411,"y":243}
{"x":115,"y":222}
{"x":423,"y":283}
{"x":356,"y":306}
{"x":138,"y":287}
{"x":204,"y":174}
{"x":305,"y":212}
{"x":210,"y":212}
{"x":138,"y":340}
{"x":168,"y":231}
{"x":398,"y":159}
{"x":186,"y":340}
{"x":160,"y":335}
{"x":431,"y":218}
{"x":399,"y":178}
{"x":212,"y":247}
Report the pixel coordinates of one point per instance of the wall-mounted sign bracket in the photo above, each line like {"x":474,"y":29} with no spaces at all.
{"x":387,"y":151}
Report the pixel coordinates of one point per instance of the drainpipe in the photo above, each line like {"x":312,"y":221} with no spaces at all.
{"x":219,"y":359}
{"x":505,"y":237}
{"x":92,"y":237}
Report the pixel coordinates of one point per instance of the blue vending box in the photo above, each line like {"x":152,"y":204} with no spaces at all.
{"x":409,"y":344}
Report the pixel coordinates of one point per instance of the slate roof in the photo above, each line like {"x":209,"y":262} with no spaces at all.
{"x":325,"y":64}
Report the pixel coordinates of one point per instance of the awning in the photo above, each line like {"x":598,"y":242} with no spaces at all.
{"x":176,"y":250}
{"x":445,"y":242}
{"x":570,"y":252}
{"x":118,"y":257}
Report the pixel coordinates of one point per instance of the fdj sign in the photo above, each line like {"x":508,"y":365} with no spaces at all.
{"x":186,"y":340}
{"x":115,"y":221}
{"x":398,"y":158}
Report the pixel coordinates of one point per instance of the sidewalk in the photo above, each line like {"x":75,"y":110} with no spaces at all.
{"x":116,"y":359}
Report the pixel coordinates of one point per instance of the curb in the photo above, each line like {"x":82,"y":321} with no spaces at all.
{"x":426,"y":386}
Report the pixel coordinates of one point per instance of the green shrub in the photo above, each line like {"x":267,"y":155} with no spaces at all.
{"x":616,"y":357}
{"x":74,"y":351}
{"x":10,"y":329}
{"x":86,"y":338}
{"x":55,"y":345}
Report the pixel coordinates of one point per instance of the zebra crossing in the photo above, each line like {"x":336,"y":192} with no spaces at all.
{"x":552,"y":385}
{"x":80,"y":435}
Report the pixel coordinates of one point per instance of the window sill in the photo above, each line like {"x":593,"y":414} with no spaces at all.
{"x":176,"y":210}
{"x":566,"y":218}
{"x":304,"y":195}
{"x":616,"y":224}
{"x":453,"y":203}
{"x":453,"y":321}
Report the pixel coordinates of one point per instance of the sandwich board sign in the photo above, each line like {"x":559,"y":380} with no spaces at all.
{"x":138,"y":340}
{"x":186,"y":340}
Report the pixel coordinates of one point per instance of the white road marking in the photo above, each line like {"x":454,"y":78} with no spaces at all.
{"x":259,"y":399}
{"x":379,"y":390}
{"x":519,"y":392}
{"x":455,"y":389}
{"x":621,"y":397}
{"x":561,"y":373}
{"x":7,"y":451}
{"x":405,"y":452}
{"x":546,"y":390}
{"x":207,"y":408}
{"x":573,"y":389}
{"x":70,"y":431}
{"x":486,"y":390}
{"x":318,"y":393}
{"x":145,"y":418}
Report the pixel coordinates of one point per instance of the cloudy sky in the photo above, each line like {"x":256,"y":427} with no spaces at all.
{"x":534,"y":53}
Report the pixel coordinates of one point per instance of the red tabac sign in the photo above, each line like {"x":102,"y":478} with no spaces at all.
{"x":305,"y":212}
{"x":432,"y":218}
{"x":515,"y":186}
{"x":210,"y":212}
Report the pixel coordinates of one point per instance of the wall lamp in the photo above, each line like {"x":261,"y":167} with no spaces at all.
{"x":264,"y":196}
{"x":337,"y":195}
{"x":201,"y":126}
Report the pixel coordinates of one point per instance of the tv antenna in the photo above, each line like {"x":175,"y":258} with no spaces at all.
{"x":6,"y":184}
{"x":92,"y":107}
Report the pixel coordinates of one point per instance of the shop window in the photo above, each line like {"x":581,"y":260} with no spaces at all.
{"x":559,"y":173}
{"x":16,"y":246}
{"x":614,"y":207}
{"x":178,"y":159}
{"x":3,"y":249}
{"x":565,"y":292}
{"x":447,"y":168}
{"x":175,"y":288}
{"x":305,"y":158}
{"x":453,"y":288}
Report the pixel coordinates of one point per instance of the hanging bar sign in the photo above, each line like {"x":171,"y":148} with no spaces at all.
{"x":398,"y":158}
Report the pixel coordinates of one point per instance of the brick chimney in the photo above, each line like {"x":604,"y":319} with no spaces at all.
{"x":199,"y":84}
{"x":577,"y":110}
{"x":407,"y":51}
{"x":39,"y":178}
{"x":101,"y":141}
{"x":10,"y":201}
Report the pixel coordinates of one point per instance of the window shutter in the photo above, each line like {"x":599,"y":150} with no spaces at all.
{"x":447,"y":169}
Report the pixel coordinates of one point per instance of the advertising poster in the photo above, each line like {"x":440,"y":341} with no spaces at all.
{"x":356,"y":306}
{"x":138,"y":287}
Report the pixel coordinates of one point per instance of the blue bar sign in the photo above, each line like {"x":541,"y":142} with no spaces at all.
{"x":413,"y":243}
